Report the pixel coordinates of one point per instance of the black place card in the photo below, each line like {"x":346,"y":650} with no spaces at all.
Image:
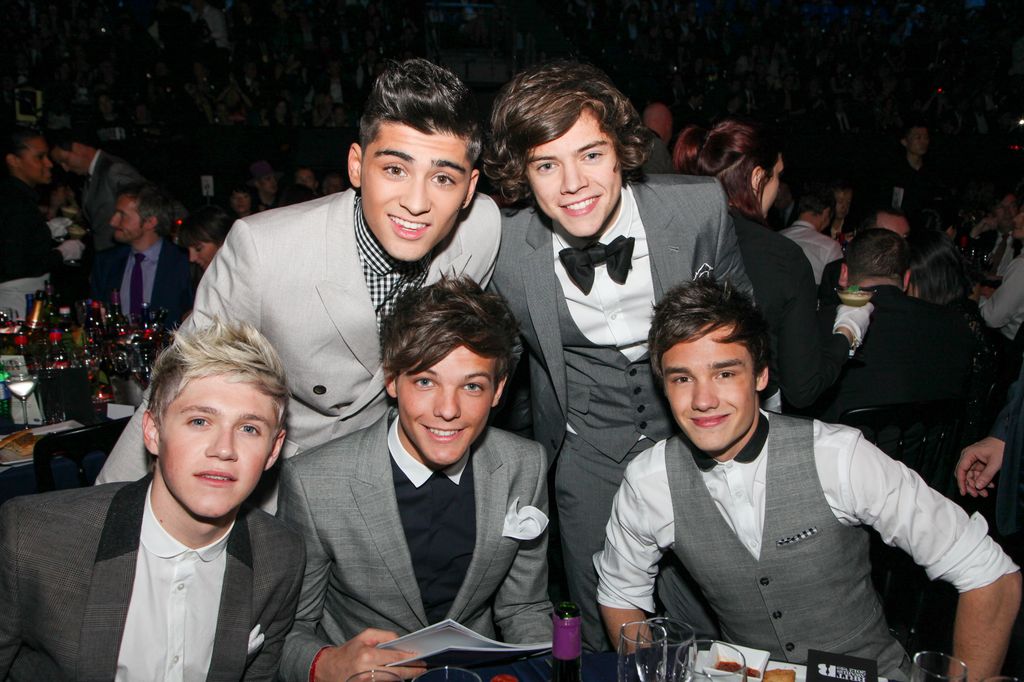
{"x":823,"y":666}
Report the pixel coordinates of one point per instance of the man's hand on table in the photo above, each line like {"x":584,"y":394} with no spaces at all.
{"x":338,"y":663}
{"x":978,"y":465}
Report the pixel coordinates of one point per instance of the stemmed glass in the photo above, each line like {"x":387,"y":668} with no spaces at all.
{"x":641,"y":652}
{"x":678,"y":636}
{"x":22,"y":385}
{"x":934,"y":666}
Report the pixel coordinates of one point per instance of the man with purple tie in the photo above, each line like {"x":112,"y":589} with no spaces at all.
{"x":145,"y":268}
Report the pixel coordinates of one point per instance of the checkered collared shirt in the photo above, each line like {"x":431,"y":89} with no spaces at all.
{"x":386,"y":277}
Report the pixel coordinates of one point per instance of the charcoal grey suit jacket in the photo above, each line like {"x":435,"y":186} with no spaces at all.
{"x":99,"y":195}
{"x":67,"y":567}
{"x":359,"y":573}
{"x":690,"y":234}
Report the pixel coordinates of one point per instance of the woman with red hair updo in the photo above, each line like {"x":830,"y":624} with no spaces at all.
{"x":747,"y":160}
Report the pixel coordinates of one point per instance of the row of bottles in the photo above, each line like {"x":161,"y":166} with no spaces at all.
{"x":89,"y":334}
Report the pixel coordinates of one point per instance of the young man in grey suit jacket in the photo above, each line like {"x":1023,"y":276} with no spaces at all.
{"x":581,"y":268}
{"x":317,"y":277}
{"x":427,"y":515}
{"x":167,"y":577}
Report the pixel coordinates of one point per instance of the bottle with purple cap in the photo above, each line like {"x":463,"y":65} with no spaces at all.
{"x":565,"y":643}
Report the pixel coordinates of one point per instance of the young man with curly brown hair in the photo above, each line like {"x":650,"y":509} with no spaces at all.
{"x":581,"y":268}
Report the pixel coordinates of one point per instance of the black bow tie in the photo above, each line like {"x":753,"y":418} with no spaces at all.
{"x":579,"y":263}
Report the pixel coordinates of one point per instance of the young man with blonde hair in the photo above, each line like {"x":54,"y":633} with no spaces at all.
{"x":169,"y":576}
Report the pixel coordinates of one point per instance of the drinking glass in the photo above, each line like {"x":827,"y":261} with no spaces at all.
{"x":21,"y":386}
{"x":448,"y":674}
{"x":641,"y":652}
{"x":374,"y":675}
{"x":678,"y":635}
{"x":697,"y":663}
{"x":935,"y":666}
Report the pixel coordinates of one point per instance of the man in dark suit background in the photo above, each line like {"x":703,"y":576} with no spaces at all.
{"x":580,"y":270}
{"x":146,"y":268}
{"x":168,"y":576}
{"x":425,"y":515}
{"x":915,"y":350}
{"x":105,"y":176}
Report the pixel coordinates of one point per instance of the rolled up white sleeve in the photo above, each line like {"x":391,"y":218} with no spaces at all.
{"x":864,"y":485}
{"x":641,"y":528}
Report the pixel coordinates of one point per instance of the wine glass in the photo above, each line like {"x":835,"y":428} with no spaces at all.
{"x":447,"y":674}
{"x":678,"y":635}
{"x":935,"y":666}
{"x":641,"y":652}
{"x":22,"y":385}
{"x":374,"y":675}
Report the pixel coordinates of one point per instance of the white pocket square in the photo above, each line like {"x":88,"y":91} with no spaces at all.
{"x":255,"y":640}
{"x":523,"y":524}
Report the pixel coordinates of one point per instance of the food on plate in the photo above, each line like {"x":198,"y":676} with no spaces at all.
{"x":734,"y":667}
{"x":17,"y":446}
{"x":780,"y":675}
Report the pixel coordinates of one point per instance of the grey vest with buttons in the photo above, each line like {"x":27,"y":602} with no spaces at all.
{"x":811,"y":587}
{"x":612,"y":401}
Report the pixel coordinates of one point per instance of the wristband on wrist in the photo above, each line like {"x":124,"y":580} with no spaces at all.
{"x":316,"y":659}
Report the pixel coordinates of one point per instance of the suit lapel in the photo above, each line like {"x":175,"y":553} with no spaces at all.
{"x":110,"y":590}
{"x":542,"y":292}
{"x":343,"y":293}
{"x":490,"y":480}
{"x":373,"y":490}
{"x":234,"y":620}
{"x":667,"y":237}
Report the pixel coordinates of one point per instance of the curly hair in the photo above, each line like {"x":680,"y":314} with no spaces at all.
{"x":542,"y":104}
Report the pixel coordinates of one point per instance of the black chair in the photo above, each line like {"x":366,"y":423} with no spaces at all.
{"x":87,"y":447}
{"x":925,"y":437}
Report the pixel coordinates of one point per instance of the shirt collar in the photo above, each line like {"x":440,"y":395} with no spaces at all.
{"x":153,"y":252}
{"x":373,"y":254}
{"x":746,"y":455}
{"x":624,"y":225}
{"x":92,"y":164}
{"x":160,"y":543}
{"x":417,"y":472}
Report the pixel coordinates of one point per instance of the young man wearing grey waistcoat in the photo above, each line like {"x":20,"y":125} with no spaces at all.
{"x":764,"y":512}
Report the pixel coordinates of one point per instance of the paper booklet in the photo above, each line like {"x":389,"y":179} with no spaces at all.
{"x":449,"y":643}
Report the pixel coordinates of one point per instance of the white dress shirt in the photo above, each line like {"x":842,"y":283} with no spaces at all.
{"x":820,"y":249}
{"x":1004,"y":310}
{"x":416,"y":471}
{"x":862,"y":485}
{"x":612,"y":314}
{"x":172,"y":616}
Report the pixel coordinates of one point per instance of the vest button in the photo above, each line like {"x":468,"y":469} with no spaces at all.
{"x":765,"y":581}
{"x":776,"y":614}
{"x":643,"y":425}
{"x":632,"y":372}
{"x":636,"y":391}
{"x":319,"y":390}
{"x":640,"y":408}
{"x":790,"y":646}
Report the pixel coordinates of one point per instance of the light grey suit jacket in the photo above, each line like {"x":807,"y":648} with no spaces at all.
{"x":359,"y":573}
{"x":67,"y":566}
{"x":99,"y":195}
{"x":689,"y":234}
{"x":294,"y":274}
